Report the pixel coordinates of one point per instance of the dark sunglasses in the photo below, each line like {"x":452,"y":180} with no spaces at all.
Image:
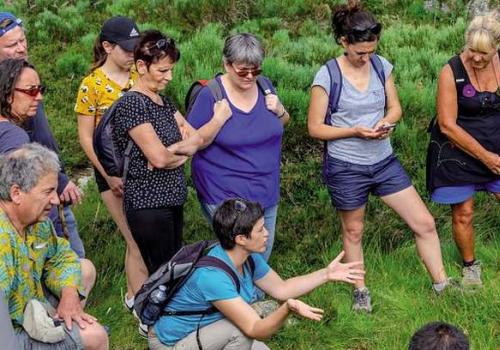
{"x":239,"y":208}
{"x":374,"y":29}
{"x":7,"y":24}
{"x":32,"y":91}
{"x":161,"y":44}
{"x":244,"y":72}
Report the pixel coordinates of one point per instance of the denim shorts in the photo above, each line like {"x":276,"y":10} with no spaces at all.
{"x":460,"y":193}
{"x":350,"y":184}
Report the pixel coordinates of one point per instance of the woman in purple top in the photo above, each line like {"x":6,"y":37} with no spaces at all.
{"x":244,"y":158}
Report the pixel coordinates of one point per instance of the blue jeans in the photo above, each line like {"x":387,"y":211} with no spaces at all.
{"x":73,"y":237}
{"x":270,"y":215}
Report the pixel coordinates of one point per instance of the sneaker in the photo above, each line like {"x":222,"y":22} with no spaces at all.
{"x":450,"y":284}
{"x":143,"y":330}
{"x":129,"y":303}
{"x":265,"y":307}
{"x":471,"y":275}
{"x":362,"y":302}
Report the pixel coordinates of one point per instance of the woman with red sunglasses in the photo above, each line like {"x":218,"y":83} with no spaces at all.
{"x":243,"y":160}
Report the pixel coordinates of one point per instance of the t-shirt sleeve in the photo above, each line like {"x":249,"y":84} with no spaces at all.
{"x":387,"y":67}
{"x":215,"y":284}
{"x":322,"y":79}
{"x":12,"y":137}
{"x":131,"y":111}
{"x":261,"y":267}
{"x":87,"y":99}
{"x":203,"y":109}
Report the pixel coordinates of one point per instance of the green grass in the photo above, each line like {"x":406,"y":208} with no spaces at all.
{"x":297,"y":40}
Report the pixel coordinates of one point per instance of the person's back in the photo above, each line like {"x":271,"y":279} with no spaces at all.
{"x":439,"y":336}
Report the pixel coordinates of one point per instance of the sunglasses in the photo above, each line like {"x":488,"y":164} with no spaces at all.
{"x":374,"y":29}
{"x":7,"y":24}
{"x":244,"y":72}
{"x":161,"y":44}
{"x":239,"y":208}
{"x":33,"y":91}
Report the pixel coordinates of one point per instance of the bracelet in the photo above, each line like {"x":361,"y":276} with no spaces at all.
{"x":282,"y":114}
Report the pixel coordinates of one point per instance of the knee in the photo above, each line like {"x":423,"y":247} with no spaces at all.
{"x":463,"y":216}
{"x":94,"y":337}
{"x":353,"y":232}
{"x":426,"y":226}
{"x":88,"y":274}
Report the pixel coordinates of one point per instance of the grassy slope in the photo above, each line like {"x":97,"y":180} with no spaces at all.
{"x":295,"y":33}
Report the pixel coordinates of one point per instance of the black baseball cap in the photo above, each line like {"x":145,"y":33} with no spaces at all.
{"x":122,"y":31}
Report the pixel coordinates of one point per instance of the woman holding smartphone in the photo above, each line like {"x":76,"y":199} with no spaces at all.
{"x":359,"y":158}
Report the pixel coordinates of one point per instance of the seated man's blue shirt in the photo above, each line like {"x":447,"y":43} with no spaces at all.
{"x":207,"y":284}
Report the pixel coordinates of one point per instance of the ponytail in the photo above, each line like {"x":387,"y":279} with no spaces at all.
{"x":100,"y":54}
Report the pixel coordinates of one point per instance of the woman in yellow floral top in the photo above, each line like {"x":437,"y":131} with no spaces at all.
{"x":110,"y":77}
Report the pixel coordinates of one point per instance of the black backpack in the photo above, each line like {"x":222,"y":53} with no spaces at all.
{"x":174,"y":273}
{"x":263,"y":83}
{"x":114,"y":163}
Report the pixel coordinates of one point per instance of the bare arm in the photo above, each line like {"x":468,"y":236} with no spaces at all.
{"x":393,"y":111}
{"x":274,"y":105}
{"x":318,"y":106}
{"x":249,"y":322}
{"x":294,"y":287}
{"x":447,"y":113}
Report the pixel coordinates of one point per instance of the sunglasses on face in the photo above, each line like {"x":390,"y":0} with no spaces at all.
{"x":244,"y":72}
{"x":7,"y":24}
{"x":32,"y":91}
{"x":374,"y":29}
{"x":161,"y":44}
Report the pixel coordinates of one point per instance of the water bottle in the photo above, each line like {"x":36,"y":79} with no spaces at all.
{"x":155,"y":305}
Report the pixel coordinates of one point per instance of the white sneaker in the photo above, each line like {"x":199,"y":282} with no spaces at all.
{"x":129,"y":303}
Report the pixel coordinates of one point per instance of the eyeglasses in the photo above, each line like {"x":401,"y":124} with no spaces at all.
{"x":32,"y":91}
{"x":244,"y":72}
{"x":239,"y":208}
{"x":374,"y":29}
{"x":7,"y":24}
{"x":161,"y":44}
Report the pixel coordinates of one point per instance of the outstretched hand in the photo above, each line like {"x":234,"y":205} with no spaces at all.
{"x":300,"y":308}
{"x":348,"y":272}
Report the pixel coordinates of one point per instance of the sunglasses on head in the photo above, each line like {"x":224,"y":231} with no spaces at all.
{"x":244,"y":72}
{"x":32,"y":91}
{"x":161,"y":44}
{"x":7,"y":24}
{"x":239,"y":208}
{"x":375,"y":29}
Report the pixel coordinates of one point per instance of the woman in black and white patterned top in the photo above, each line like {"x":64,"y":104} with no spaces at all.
{"x":155,"y":187}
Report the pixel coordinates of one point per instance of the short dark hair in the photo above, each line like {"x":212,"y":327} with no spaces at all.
{"x":235,"y":217}
{"x":149,"y":51}
{"x":10,"y":71}
{"x":439,"y":336}
{"x":355,"y":24}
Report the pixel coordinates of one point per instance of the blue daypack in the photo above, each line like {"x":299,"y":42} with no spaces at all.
{"x":336,"y":83}
{"x":113,"y":162}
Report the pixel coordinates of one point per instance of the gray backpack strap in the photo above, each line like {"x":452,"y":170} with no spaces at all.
{"x":335,"y":88}
{"x":214,"y":87}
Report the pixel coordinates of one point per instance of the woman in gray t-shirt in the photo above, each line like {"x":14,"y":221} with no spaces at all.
{"x":358,"y":155}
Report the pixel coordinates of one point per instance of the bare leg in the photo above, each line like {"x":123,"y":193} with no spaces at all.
{"x":88,"y":277}
{"x":134,"y":265}
{"x":94,"y":337}
{"x":410,"y":207}
{"x":352,"y":233}
{"x":463,"y":230}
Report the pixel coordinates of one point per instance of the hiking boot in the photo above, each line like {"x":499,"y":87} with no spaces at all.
{"x":471,"y":275}
{"x":362,"y":302}
{"x":265,"y":307}
{"x":450,"y":285}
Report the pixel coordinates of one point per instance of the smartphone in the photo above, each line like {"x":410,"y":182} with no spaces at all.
{"x":387,"y":127}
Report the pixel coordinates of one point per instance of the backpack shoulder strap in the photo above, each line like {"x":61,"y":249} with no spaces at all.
{"x":212,"y":261}
{"x":335,"y":87}
{"x":379,"y":68}
{"x":459,"y":72}
{"x":215,"y":89}
{"x":264,"y":85}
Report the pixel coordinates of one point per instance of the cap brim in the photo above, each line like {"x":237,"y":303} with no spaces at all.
{"x":128,"y":45}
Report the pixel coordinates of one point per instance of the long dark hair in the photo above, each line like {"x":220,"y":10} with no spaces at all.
{"x":153,"y":45}
{"x":100,"y":54}
{"x":354,"y":23}
{"x":10,"y":70}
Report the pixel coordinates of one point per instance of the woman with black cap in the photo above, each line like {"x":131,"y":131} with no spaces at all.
{"x":111,"y":74}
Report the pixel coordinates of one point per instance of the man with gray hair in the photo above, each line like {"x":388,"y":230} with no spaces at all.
{"x":35,"y":264}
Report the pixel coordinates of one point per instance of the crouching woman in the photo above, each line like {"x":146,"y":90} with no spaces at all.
{"x":239,"y":226}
